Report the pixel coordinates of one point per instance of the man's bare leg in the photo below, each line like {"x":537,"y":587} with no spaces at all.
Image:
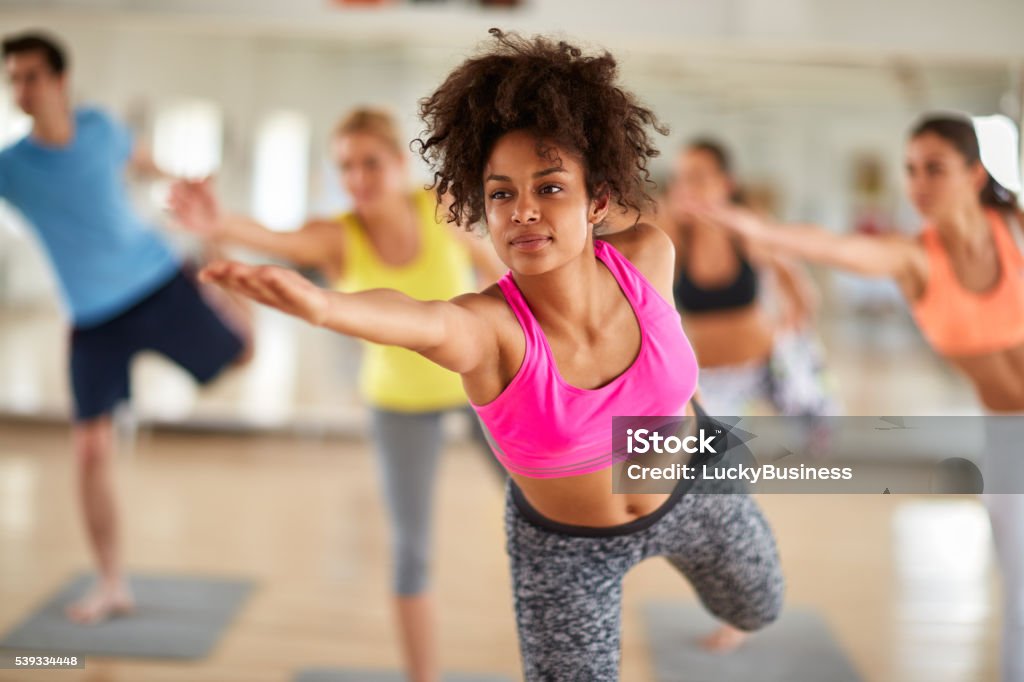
{"x":94,"y":471}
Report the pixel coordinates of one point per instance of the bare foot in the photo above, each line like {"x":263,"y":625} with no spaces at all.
{"x":723,"y":640}
{"x":101,"y":604}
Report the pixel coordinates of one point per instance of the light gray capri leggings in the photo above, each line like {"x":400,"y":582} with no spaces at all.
{"x":1004,"y":499}
{"x":567,"y":580}
{"x":408,"y":447}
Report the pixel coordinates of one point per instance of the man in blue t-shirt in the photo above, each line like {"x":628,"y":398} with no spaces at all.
{"x":124,"y":288}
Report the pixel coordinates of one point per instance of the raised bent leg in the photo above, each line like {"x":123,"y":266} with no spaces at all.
{"x":728,"y":553}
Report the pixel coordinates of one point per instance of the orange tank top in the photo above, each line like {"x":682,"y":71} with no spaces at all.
{"x":960,"y":322}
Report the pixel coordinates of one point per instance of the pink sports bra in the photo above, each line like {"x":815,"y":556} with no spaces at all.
{"x":542,"y":427}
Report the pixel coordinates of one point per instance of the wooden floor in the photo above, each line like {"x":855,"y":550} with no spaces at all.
{"x":905,"y":598}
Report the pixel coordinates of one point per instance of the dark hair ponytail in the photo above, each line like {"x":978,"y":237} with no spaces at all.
{"x":959,"y":132}
{"x":995,"y":195}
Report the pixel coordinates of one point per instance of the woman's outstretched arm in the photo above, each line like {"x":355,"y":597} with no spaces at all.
{"x":318,"y":243}
{"x":452,"y":334}
{"x":866,"y":255}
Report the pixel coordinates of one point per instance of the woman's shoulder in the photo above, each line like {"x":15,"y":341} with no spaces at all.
{"x":489,"y":301}
{"x":345,"y":220}
{"x":491,"y":307}
{"x":650,"y":251}
{"x":644,"y":245}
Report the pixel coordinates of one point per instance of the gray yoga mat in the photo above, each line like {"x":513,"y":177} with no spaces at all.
{"x":355,"y":675}
{"x":180,"y":617}
{"x":798,"y":647}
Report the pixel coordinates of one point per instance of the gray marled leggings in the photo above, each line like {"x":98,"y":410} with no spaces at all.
{"x":567,"y":580}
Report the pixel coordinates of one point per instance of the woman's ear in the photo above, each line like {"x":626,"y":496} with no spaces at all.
{"x":731,"y":186}
{"x":980,"y":176}
{"x":599,"y":206}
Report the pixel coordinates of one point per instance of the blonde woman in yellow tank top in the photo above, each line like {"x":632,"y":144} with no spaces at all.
{"x":391,"y":239}
{"x":395,"y":378}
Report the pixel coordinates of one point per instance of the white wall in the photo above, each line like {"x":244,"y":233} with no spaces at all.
{"x":983,"y":29}
{"x":794,"y":114}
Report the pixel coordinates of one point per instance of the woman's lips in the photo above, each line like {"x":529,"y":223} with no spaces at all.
{"x":530,"y":242}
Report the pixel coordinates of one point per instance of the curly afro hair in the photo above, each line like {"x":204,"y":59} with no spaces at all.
{"x":551,"y":89}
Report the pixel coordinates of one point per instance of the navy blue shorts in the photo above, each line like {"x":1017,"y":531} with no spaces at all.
{"x":174,"y":321}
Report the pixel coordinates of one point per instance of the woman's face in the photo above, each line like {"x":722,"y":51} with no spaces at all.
{"x":939,"y":179}
{"x":371,"y":171}
{"x":538,"y":212}
{"x":698,"y":178}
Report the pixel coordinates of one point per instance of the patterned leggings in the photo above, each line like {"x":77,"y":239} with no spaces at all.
{"x":567,"y":580}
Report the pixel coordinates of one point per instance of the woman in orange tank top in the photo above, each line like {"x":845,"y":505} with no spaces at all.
{"x":963,"y":277}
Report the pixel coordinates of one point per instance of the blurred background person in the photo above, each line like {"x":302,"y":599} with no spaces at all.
{"x":124,"y":288}
{"x":751,"y":359}
{"x":397,"y":240}
{"x":963,"y":277}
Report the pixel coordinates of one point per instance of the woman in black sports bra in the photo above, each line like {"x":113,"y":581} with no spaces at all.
{"x":738,"y":292}
{"x":748,"y":364}
{"x":752,"y":362}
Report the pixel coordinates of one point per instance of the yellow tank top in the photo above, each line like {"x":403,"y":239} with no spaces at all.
{"x":395,"y":378}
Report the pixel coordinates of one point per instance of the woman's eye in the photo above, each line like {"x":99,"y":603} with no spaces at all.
{"x":550,"y":189}
{"x":500,"y":194}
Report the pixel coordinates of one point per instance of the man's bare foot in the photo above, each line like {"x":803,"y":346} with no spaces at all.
{"x":101,"y":604}
{"x":723,"y":640}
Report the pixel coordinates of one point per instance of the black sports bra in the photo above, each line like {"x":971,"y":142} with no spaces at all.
{"x":741,"y":292}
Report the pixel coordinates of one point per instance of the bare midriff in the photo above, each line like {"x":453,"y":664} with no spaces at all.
{"x":728,"y":338}
{"x":588,"y":500}
{"x":997,"y":377}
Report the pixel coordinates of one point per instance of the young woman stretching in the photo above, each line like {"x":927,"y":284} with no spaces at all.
{"x":539,"y":139}
{"x":964,"y":279}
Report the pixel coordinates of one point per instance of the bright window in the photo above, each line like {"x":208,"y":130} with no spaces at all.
{"x":187,"y":138}
{"x":13,"y":123}
{"x":281,"y":170}
{"x":1000,"y":149}
{"x":13,"y":126}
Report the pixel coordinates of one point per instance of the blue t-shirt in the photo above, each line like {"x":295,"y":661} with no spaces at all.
{"x":75,"y":197}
